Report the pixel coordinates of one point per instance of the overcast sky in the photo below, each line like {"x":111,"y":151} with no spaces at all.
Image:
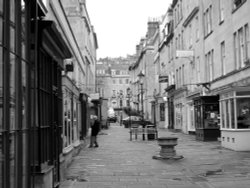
{"x":120,"y":24}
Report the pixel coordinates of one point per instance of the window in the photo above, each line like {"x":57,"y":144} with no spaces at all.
{"x":183,"y":75}
{"x":182,"y":39}
{"x":181,"y":13}
{"x":197,"y":33}
{"x":208,"y":20}
{"x":209,"y":58}
{"x":177,"y":78}
{"x":162,"y":112}
{"x":180,"y":77}
{"x":120,"y":81}
{"x":190,"y":37}
{"x":114,"y":81}
{"x":243,"y":113}
{"x":198,"y":69}
{"x":223,"y":58}
{"x":236,"y":59}
{"x":237,"y":3}
{"x":247,"y":42}
{"x":235,"y":110}
{"x":221,"y":11}
{"x":241,"y":47}
{"x":176,"y":43}
{"x":179,"y":42}
{"x":117,"y":72}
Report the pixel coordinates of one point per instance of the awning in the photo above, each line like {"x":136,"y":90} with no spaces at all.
{"x":52,"y":41}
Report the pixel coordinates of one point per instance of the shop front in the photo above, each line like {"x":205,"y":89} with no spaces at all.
{"x":206,"y":112}
{"x":235,"y":118}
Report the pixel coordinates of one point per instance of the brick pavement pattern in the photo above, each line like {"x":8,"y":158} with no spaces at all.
{"x":121,"y":163}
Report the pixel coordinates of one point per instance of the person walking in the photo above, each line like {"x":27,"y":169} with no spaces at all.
{"x":94,"y":132}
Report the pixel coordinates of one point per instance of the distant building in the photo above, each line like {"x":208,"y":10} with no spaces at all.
{"x":113,"y":79}
{"x":144,"y":88}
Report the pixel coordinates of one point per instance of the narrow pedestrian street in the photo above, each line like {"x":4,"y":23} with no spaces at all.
{"x":121,"y":163}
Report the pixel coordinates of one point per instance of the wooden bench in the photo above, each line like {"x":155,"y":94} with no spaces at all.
{"x":149,"y":130}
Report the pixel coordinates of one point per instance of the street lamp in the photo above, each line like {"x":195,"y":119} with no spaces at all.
{"x":129,"y":95}
{"x":155,"y":98}
{"x":141,"y":76}
{"x":120,"y":96}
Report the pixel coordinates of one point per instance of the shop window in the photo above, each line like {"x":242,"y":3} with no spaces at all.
{"x":1,"y":10}
{"x":243,"y":113}
{"x":12,"y":10}
{"x":1,"y":30}
{"x":235,"y":110}
{"x":1,"y":116}
{"x":12,"y":92}
{"x":1,"y":90}
{"x":12,"y":39}
{"x":211,"y":113}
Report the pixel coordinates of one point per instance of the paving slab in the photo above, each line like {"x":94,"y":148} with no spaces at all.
{"x":121,"y":163}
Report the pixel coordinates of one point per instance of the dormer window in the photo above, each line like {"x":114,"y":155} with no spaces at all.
{"x":237,"y":3}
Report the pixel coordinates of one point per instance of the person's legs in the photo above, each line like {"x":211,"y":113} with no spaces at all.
{"x":96,"y":144}
{"x":92,"y":141}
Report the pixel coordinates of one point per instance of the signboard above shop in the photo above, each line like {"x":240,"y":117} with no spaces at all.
{"x":184,"y":53}
{"x":94,"y":96}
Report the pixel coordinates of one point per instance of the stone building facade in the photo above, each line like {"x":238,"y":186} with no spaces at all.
{"x":205,"y":56}
{"x":38,"y":53}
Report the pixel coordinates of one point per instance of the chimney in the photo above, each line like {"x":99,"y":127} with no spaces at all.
{"x":153,"y":25}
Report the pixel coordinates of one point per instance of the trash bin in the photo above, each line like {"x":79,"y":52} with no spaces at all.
{"x":151,"y":132}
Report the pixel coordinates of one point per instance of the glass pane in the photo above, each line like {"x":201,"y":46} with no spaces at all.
{"x":223,"y":114}
{"x":12,"y":39}
{"x":211,"y":113}
{"x":65,"y":135}
{"x":1,"y":89}
{"x":242,"y":93}
{"x":243,"y":113}
{"x":12,"y":160}
{"x":69,"y":133}
{"x":1,"y":10}
{"x":25,"y":160}
{"x":1,"y":30}
{"x":23,"y":27}
{"x":12,"y":91}
{"x":1,"y":159}
{"x":232,"y":113}
{"x":227,"y":114}
{"x":1,"y":119}
{"x":12,"y":10}
{"x":24,"y":92}
{"x":23,"y":50}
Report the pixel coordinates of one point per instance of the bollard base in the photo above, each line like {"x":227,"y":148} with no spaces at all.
{"x":176,"y":157}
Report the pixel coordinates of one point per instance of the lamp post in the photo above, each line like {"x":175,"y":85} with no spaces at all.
{"x":155,"y":98}
{"x":120,"y":95}
{"x":129,"y":95}
{"x":141,"y":76}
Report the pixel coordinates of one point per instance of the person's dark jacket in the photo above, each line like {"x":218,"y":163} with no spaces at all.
{"x":95,"y":128}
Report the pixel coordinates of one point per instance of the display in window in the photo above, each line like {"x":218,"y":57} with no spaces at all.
{"x":211,"y":116}
{"x":243,"y":113}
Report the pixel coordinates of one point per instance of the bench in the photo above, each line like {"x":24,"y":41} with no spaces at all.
{"x":149,"y":131}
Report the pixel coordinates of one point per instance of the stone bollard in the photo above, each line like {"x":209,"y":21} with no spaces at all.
{"x":167,"y":151}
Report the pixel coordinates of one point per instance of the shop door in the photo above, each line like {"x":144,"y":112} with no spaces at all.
{"x":57,"y":122}
{"x":50,"y":115}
